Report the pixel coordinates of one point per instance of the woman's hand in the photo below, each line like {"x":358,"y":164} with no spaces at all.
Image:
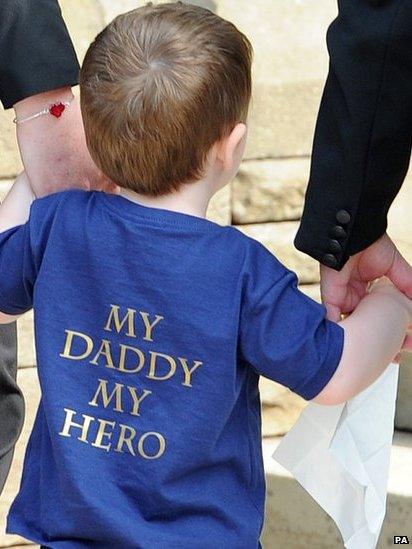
{"x":342,"y":290}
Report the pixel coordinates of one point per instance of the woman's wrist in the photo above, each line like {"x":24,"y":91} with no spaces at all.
{"x":35,"y":103}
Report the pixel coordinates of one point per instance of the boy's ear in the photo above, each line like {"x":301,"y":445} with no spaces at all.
{"x":228,"y":147}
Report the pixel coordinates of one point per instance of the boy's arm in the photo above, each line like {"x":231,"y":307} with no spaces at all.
{"x":15,"y":208}
{"x":374,"y":334}
{"x":15,"y":211}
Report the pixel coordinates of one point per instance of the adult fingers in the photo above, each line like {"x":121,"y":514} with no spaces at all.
{"x":334,"y":289}
{"x":333,"y":312}
{"x":401,"y":274}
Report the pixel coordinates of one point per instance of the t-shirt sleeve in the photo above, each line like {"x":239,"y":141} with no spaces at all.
{"x":284,"y":334}
{"x":21,"y":253}
{"x":17,"y":273}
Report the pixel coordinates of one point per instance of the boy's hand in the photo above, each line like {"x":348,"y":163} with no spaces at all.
{"x":384,"y":286}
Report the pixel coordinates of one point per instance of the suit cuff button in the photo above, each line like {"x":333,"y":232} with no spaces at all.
{"x":329,"y":260}
{"x":343,"y":217}
{"x":334,"y":246}
{"x":338,"y":232}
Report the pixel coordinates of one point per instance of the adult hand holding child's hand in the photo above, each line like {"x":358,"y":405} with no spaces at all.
{"x":342,"y":290}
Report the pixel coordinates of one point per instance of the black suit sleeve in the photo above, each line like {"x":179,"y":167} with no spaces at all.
{"x":363,"y":134}
{"x":36,"y":53}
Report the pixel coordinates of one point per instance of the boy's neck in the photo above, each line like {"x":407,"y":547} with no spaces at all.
{"x":192,"y":199}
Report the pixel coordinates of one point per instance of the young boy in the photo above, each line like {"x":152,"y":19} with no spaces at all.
{"x":152,"y":323}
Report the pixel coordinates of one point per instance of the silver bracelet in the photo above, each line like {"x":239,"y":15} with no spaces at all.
{"x":55,"y":109}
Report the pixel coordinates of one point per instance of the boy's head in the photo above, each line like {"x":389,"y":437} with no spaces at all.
{"x":160,"y":86}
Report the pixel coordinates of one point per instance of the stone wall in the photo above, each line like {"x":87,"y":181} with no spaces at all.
{"x":266,"y":198}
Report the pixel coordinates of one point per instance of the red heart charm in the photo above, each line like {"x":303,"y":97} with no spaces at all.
{"x":57,"y":109}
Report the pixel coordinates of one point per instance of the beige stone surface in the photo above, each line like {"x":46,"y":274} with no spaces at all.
{"x":5,"y":185}
{"x":269,"y":190}
{"x":312,"y":290}
{"x":289,"y":70}
{"x":283,"y":412}
{"x":25,"y":546}
{"x":400,"y":229}
{"x":111,"y":8}
{"x":219,"y":207}
{"x":278,"y":420}
{"x":84,"y":19}
{"x":28,"y":382}
{"x":282,"y":119}
{"x":273,"y":190}
{"x":278,"y":238}
{"x":400,"y":218}
{"x":288,"y":36}
{"x":26,"y":349}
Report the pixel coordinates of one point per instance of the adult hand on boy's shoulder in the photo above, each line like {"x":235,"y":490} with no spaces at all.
{"x":54,"y":152}
{"x":342,"y":290}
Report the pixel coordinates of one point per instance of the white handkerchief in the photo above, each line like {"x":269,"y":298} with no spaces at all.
{"x":340,"y":455}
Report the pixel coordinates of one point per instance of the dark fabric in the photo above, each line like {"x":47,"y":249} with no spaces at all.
{"x":36,"y":53}
{"x":363,"y":134}
{"x":11,"y":399}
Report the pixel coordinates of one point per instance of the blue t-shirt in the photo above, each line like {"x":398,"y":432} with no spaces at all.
{"x":152,"y":328}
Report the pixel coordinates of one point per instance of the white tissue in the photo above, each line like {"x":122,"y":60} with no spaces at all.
{"x":340,"y":455}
